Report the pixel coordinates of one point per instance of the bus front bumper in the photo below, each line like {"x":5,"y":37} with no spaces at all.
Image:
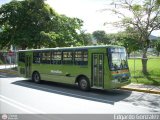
{"x":116,"y":84}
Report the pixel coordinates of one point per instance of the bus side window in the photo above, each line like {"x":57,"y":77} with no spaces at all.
{"x":56,"y":57}
{"x":78,"y":58}
{"x":81,"y":58}
{"x":46,"y":57}
{"x":67,"y":57}
{"x":85,"y":57}
{"x":36,"y":57}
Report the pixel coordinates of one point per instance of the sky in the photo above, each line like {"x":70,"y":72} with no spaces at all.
{"x":87,"y":10}
{"x":90,"y":11}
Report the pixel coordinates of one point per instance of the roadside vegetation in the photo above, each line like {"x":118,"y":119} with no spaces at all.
{"x":153,"y":76}
{"x":1,"y":62}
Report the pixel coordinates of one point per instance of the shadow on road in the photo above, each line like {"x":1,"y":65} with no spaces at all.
{"x":103,"y":96}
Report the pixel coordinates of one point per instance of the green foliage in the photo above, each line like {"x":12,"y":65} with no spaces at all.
{"x":129,"y":39}
{"x":84,"y":39}
{"x":158,"y":2}
{"x":1,"y":62}
{"x":157,"y":45}
{"x":137,"y":7}
{"x":34,"y":24}
{"x":101,"y":37}
{"x":48,"y":38}
{"x":67,"y":31}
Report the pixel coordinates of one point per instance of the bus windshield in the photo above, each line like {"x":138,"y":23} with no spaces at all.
{"x":117,"y":59}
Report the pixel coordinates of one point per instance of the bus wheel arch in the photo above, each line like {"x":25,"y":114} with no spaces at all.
{"x":83,"y":82}
{"x":36,"y":77}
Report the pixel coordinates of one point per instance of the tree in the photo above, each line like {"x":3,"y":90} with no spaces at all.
{"x":128,"y":40}
{"x":101,"y":37}
{"x":34,"y":24}
{"x":144,"y":16}
{"x":67,"y":29}
{"x":4,"y":36}
{"x":84,"y":39}
{"x":24,"y":20}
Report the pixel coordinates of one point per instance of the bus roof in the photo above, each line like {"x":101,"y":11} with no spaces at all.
{"x":76,"y":48}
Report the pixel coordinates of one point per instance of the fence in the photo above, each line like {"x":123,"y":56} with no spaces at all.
{"x":8,"y":58}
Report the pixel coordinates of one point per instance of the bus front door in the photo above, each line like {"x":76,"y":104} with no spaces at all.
{"x":97,"y":70}
{"x":28,"y":65}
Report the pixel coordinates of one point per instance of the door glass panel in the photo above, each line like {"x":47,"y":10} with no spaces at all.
{"x":97,"y":70}
{"x":28,"y":66}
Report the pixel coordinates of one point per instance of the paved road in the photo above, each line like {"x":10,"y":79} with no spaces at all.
{"x":18,"y":95}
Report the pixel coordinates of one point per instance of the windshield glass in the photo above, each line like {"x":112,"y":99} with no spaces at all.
{"x":117,"y":58}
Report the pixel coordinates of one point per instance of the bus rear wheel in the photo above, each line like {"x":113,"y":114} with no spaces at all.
{"x":84,"y":84}
{"x":36,"y":77}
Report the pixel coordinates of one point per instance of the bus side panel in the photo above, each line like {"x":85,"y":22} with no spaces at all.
{"x":71,"y":72}
{"x":49,"y":72}
{"x":60,"y":73}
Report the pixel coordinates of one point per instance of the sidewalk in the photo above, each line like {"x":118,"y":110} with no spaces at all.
{"x":142,"y":88}
{"x":8,"y":69}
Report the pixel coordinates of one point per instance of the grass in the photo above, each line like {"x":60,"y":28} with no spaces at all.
{"x":153,"y":76}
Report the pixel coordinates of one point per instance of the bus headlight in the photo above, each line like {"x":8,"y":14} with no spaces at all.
{"x":115,"y":81}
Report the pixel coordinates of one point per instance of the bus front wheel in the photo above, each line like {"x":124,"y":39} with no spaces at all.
{"x":84,"y":84}
{"x":36,"y":77}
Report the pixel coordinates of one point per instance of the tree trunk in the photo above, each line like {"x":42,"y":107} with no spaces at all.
{"x":144,"y":62}
{"x":128,"y":55}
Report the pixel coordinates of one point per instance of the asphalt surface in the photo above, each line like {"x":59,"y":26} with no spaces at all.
{"x":18,"y":95}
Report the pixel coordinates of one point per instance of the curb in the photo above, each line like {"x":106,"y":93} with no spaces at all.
{"x":9,"y":71}
{"x":141,"y":90}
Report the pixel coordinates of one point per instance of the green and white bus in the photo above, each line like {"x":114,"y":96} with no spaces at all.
{"x":101,"y":67}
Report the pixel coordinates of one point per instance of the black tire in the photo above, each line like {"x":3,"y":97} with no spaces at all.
{"x":36,"y":77}
{"x":83,"y":84}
